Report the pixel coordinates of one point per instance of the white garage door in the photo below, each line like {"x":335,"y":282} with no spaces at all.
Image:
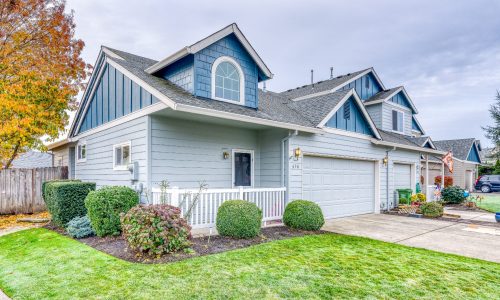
{"x":341,"y":187}
{"x":402,"y":176}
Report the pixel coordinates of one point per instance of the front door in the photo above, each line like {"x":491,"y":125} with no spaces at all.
{"x":243,"y":168}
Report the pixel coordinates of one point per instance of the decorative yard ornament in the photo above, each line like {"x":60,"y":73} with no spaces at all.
{"x":448,"y":161}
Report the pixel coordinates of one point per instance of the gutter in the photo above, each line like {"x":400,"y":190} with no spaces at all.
{"x":415,"y":148}
{"x":283,"y":156}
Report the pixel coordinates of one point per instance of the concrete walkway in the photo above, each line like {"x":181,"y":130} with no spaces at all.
{"x":471,"y":240}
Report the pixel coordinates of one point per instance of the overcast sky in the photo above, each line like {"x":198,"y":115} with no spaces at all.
{"x":446,"y":53}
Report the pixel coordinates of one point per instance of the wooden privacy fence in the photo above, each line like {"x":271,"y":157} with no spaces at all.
{"x":21,"y":189}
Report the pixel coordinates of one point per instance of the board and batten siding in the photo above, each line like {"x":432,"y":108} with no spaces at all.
{"x":351,"y":148}
{"x":387,"y":109}
{"x":98,"y":167}
{"x":186,"y":152}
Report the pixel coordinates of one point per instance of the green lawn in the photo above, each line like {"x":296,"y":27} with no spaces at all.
{"x":41,"y":264}
{"x":491,"y":202}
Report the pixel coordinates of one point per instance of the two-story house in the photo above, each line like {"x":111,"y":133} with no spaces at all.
{"x":198,"y":115}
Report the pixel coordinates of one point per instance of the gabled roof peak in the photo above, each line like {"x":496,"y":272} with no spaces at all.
{"x":203,"y":43}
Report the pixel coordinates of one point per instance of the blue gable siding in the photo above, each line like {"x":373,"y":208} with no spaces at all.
{"x":228,"y":46}
{"x":181,"y":73}
{"x":356,"y":121}
{"x":400,"y":99}
{"x":115,"y":96}
{"x":414,"y":125}
{"x":366,"y":86}
{"x":473,"y":155}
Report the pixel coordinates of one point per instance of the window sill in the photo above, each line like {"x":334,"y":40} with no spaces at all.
{"x":120,"y":168}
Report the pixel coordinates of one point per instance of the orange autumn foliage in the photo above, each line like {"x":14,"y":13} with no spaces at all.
{"x":41,"y":72}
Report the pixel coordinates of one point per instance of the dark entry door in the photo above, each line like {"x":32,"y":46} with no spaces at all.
{"x":243,"y":169}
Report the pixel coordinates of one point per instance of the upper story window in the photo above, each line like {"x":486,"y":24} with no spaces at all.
{"x":397,"y":121}
{"x":81,"y":153}
{"x":228,"y":82}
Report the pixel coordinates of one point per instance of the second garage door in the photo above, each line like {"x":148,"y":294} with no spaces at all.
{"x":341,"y":187}
{"x":402,"y":176}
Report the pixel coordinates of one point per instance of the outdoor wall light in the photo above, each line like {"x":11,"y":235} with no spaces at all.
{"x":225,"y":155}
{"x":297,"y":153}
{"x":385,"y":160}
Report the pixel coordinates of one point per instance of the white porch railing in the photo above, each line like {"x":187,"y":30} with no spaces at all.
{"x":204,"y":212}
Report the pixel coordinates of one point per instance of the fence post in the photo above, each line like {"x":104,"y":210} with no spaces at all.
{"x":175,"y":196}
{"x":241,"y":192}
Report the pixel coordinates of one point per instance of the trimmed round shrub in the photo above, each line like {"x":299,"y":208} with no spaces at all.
{"x":239,"y":219}
{"x":65,"y":200}
{"x":156,"y":229}
{"x":303,"y":214}
{"x":418,"y":197}
{"x":431,"y":209}
{"x":453,"y":195}
{"x":80,"y":227}
{"x":105,"y":205}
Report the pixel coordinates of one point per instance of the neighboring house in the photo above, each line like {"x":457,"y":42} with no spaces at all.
{"x":198,"y":115}
{"x":488,"y":156}
{"x":32,"y":159}
{"x":466,"y":159}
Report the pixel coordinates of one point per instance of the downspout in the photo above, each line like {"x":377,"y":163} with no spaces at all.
{"x":387,"y":178}
{"x":283,"y":156}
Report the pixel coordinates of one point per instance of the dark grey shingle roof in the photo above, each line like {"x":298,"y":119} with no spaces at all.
{"x":460,"y":147}
{"x":32,"y":159}
{"x":269,"y":102}
{"x":419,"y":140}
{"x":320,"y":86}
{"x":393,"y":137}
{"x":315,"y":109}
{"x":382,"y":95}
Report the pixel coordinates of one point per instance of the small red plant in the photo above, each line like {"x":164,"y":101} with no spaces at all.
{"x":448,"y":180}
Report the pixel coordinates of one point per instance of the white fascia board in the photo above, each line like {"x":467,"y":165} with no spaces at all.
{"x":233,"y":28}
{"x":415,"y":148}
{"x":361,"y":107}
{"x":413,"y":107}
{"x":418,"y":124}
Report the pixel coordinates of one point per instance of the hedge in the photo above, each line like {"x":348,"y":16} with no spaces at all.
{"x":65,"y":200}
{"x":239,"y":219}
{"x":303,"y":214}
{"x":105,"y":206}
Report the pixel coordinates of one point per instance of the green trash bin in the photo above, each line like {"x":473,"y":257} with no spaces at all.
{"x":404,"y":194}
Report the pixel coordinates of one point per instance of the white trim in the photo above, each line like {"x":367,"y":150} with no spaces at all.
{"x":233,"y":28}
{"x":111,"y":53}
{"x":428,"y":139}
{"x":392,"y":121}
{"x":361,"y":107}
{"x":77,"y":152}
{"x":398,"y":106}
{"x":412,"y":107}
{"x":252,"y":159}
{"x":243,"y":118}
{"x":325,"y":155}
{"x":474,"y":145}
{"x":129,"y":117}
{"x":414,"y":148}
{"x":122,"y":167}
{"x":376,"y":203}
{"x":230,"y":60}
{"x":418,"y":124}
{"x":347,"y":133}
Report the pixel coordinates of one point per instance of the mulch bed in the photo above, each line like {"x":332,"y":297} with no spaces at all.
{"x":118,"y":247}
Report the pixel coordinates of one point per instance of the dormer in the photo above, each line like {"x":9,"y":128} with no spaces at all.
{"x":222,"y":67}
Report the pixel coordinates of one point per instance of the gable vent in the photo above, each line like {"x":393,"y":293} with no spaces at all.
{"x":347,"y":111}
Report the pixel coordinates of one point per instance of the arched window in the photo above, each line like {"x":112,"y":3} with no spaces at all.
{"x":227,"y":81}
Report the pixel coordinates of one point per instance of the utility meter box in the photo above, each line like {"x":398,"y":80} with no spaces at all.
{"x":134,"y":171}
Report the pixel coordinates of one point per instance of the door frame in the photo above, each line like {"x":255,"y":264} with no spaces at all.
{"x":252,"y":161}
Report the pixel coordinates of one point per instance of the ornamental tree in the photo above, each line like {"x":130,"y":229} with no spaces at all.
{"x":41,"y":72}
{"x":493,"y":132}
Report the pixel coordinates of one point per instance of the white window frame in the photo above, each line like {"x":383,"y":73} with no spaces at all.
{"x":77,"y":152}
{"x":228,"y":59}
{"x":402,"y":118}
{"x":252,"y":156}
{"x":122,"y":167}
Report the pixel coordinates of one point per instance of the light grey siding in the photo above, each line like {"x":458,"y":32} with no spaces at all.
{"x":61,"y":156}
{"x":98,"y":166}
{"x":187,"y":152}
{"x":387,"y":117}
{"x":375,"y":112}
{"x":348,"y":147}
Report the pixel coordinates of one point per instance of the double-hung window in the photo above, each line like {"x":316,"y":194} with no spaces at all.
{"x":81,"y":154}
{"x":397,"y":121}
{"x":121,"y":156}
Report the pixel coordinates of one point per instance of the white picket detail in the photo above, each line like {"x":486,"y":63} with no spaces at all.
{"x":204,"y":213}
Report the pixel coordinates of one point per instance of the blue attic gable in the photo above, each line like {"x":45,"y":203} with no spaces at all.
{"x":400,"y":99}
{"x":415,"y":126}
{"x":473,"y":154}
{"x":115,"y":96}
{"x":349,"y":117}
{"x":366,"y":86}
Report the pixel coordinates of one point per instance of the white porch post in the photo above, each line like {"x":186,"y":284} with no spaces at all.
{"x":426,"y":180}
{"x":442,"y":174}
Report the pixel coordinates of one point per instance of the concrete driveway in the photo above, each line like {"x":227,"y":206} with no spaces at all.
{"x":479,"y":241}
